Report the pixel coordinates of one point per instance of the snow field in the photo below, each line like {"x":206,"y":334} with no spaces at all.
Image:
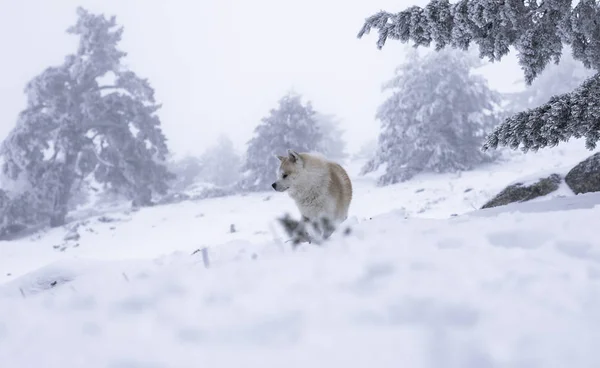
{"x":513,"y":286}
{"x":513,"y":290}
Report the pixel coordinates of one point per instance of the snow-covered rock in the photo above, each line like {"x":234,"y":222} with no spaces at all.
{"x":520,"y":192}
{"x":585,"y":176}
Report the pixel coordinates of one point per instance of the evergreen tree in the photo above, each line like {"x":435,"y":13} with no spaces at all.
{"x":435,"y":119}
{"x":88,"y":116}
{"x":292,"y":125}
{"x":537,"y":30}
{"x":332,"y":144}
{"x":221,"y":164}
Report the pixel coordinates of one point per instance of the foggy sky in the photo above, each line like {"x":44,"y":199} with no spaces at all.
{"x":218,"y":66}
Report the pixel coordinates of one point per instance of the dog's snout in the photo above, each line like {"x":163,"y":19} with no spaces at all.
{"x":274,"y":185}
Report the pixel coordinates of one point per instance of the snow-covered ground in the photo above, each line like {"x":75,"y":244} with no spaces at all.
{"x":411,"y":286}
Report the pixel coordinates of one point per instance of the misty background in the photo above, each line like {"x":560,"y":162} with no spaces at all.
{"x":218,"y":67}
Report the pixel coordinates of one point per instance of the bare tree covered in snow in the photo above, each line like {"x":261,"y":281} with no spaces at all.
{"x":537,"y":30}
{"x":292,"y":125}
{"x":89,"y":117}
{"x":436,"y":118}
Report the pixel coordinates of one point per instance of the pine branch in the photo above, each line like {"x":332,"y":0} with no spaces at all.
{"x":536,"y":31}
{"x":575,"y":114}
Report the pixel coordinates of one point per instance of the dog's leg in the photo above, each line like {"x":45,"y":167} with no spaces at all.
{"x":327,"y":233}
{"x":306,"y":221}
{"x":328,"y":227}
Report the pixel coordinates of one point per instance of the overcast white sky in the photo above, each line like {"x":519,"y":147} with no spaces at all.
{"x":218,"y":66}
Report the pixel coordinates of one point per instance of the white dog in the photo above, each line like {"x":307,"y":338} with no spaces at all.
{"x":321,"y":189}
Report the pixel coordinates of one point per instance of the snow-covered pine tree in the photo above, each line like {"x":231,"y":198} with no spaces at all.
{"x":332,"y":145}
{"x":292,"y":125}
{"x":435,"y":118}
{"x":89,"y":115}
{"x":537,"y":30}
{"x":221,"y":163}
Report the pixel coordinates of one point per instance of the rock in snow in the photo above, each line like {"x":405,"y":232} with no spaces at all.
{"x":585,"y":176}
{"x":519,"y":192}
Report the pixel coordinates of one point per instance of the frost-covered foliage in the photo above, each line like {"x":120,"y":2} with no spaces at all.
{"x":575,"y":114}
{"x":556,"y":79}
{"x":559,"y":109}
{"x":292,"y":125}
{"x":332,"y":145}
{"x":435,"y":118}
{"x":221,"y":163}
{"x":89,"y":117}
{"x":538,"y":30}
{"x":17,"y":212}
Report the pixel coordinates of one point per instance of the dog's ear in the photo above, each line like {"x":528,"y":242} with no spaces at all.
{"x":280,"y":158}
{"x":294,"y":156}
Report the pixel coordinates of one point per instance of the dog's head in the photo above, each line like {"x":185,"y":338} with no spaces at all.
{"x":288,"y":171}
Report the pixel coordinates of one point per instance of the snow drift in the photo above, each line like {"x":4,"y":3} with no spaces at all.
{"x":515,"y":289}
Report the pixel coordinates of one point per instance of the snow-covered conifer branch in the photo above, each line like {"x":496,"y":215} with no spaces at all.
{"x":537,"y":30}
{"x":575,"y":114}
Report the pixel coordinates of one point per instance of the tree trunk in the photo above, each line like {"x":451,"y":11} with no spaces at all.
{"x":67,"y":178}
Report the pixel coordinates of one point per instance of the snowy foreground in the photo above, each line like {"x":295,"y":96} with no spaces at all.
{"x":517,"y":286}
{"x":510,"y":290}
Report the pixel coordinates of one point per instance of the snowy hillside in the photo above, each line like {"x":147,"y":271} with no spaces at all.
{"x":506,"y":287}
